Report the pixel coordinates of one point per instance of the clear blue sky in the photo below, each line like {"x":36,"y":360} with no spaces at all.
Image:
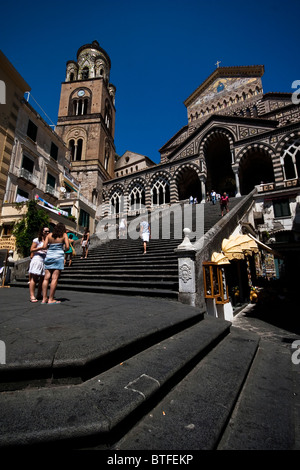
{"x":160,"y":51}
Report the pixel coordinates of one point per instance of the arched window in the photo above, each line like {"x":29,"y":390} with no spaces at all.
{"x":108,"y":115}
{"x":76,"y":149}
{"x":85,"y":73}
{"x":248,"y":112}
{"x":160,"y":192}
{"x":254,"y":110}
{"x":72,"y":149}
{"x":80,"y":107}
{"x":137,"y":197}
{"x":117,"y":202}
{"x":106,"y":158}
{"x":291,"y":160}
{"x":79,"y":149}
{"x":289,"y":168}
{"x":71,"y":76}
{"x":298,"y":162}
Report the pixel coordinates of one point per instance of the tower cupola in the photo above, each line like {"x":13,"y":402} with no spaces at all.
{"x":92,"y":62}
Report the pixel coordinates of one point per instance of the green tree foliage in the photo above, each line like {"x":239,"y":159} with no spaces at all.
{"x":28,"y":228}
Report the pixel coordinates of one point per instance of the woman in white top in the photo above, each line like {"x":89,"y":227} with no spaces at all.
{"x":37,"y":264}
{"x":145,"y":233}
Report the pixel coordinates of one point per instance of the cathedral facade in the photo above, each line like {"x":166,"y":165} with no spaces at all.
{"x":236,"y":138}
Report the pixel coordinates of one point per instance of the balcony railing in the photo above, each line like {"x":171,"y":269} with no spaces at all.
{"x":28,"y":176}
{"x":72,"y":180}
{"x":290,"y":183}
{"x":52,"y":191}
{"x":264,"y":187}
{"x":79,"y":196}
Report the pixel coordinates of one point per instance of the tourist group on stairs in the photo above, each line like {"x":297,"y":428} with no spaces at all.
{"x":50,"y":252}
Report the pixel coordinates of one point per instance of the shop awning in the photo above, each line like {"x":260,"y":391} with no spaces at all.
{"x":266,"y":247}
{"x":219,"y":258}
{"x":232,"y":249}
{"x":236,"y":247}
{"x":70,"y":186}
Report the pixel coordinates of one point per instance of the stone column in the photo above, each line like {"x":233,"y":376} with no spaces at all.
{"x":186,"y":270}
{"x":174,"y":196}
{"x":237,"y":181}
{"x":203,"y":190}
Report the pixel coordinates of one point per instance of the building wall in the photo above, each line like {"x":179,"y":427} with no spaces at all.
{"x":13,"y":87}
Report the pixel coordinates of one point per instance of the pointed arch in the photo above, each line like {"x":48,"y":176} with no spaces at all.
{"x":187,"y":181}
{"x":137,"y":194}
{"x":255,"y":164}
{"x":216,"y":148}
{"x":160,"y":189}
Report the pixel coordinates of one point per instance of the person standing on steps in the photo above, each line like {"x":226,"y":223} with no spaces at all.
{"x":145,"y":233}
{"x":224,"y":202}
{"x":54,"y":261}
{"x":37,"y":264}
{"x":122,"y":228}
{"x":191,"y":200}
{"x":85,"y":243}
{"x":213,"y":196}
{"x":70,"y":251}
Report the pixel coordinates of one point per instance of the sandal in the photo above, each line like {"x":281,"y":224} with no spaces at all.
{"x":33,"y":300}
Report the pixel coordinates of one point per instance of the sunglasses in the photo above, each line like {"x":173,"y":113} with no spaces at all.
{"x":46,"y":231}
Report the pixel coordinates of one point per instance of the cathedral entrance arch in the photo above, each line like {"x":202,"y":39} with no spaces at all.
{"x":255,"y":167}
{"x":217,"y":154}
{"x":188,"y":183}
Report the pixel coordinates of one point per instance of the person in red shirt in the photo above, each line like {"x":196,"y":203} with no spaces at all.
{"x":224,"y":202}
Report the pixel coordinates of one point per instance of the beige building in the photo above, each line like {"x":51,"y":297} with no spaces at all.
{"x":12,"y":89}
{"x":131,"y":162}
{"x":36,"y":166}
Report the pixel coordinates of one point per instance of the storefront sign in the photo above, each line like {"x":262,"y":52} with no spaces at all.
{"x":8,"y":243}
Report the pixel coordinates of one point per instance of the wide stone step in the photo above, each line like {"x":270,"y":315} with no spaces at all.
{"x":89,"y":277}
{"x":193,"y":415}
{"x":259,"y":422}
{"x":155,"y":283}
{"x":101,"y":405}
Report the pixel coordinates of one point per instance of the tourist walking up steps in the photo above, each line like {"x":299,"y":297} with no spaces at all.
{"x":224,"y":201}
{"x":54,"y":261}
{"x":37,"y":264}
{"x":145,"y":233}
{"x":122,"y":228}
{"x":85,"y":243}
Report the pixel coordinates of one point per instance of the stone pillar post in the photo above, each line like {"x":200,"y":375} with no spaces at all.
{"x":186,"y":270}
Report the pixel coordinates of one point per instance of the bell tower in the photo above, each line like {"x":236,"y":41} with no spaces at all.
{"x":86,"y":119}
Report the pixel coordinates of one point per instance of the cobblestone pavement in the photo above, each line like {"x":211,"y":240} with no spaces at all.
{"x":270,"y":325}
{"x":281,"y":326}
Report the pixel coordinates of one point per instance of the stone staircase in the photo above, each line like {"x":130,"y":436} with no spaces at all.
{"x":154,"y":375}
{"x":119,"y":266}
{"x":120,"y":373}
